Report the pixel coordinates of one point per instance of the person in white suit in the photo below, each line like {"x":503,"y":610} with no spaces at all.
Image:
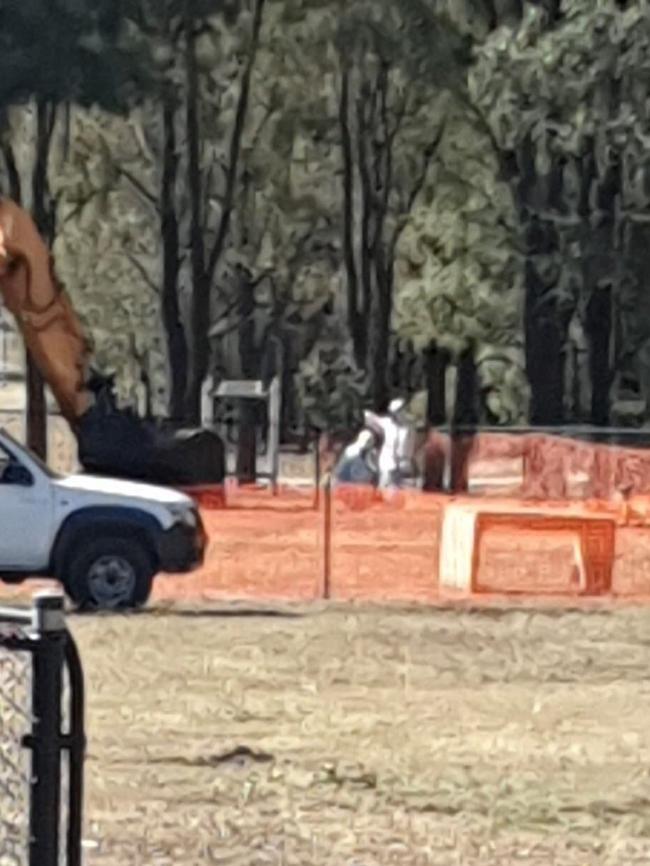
{"x":357,"y":464}
{"x":394,"y":434}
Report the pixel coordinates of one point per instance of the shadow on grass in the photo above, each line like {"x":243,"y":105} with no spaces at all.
{"x":193,"y":613}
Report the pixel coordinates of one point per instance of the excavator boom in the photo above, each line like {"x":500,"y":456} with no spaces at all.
{"x":111,"y":441}
{"x":42,"y":310}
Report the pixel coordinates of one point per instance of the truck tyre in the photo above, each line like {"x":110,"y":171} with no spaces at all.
{"x":109,"y":574}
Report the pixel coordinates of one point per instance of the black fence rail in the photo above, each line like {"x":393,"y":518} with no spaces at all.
{"x":42,"y":737}
{"x":630,"y":437}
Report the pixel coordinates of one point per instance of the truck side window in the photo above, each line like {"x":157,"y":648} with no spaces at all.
{"x":12,"y":472}
{"x":5,"y":460}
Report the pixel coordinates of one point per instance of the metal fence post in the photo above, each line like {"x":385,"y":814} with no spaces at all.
{"x":76,"y":745}
{"x":49,"y":632}
{"x":317,"y":472}
{"x":327,"y":539}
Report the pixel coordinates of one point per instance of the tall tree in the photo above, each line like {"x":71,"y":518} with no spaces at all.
{"x":207,"y":240}
{"x":277,"y":270}
{"x":44,"y":216}
{"x":177,"y":349}
{"x":391,"y":122}
{"x":56,"y":53}
{"x":458,"y":273}
{"x":108,"y":248}
{"x":193,"y":147}
{"x":567,"y":107}
{"x":162,"y":21}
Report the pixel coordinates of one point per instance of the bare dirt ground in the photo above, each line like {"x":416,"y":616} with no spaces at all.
{"x":359,"y":736}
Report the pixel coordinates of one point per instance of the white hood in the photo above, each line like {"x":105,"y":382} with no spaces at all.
{"x":361,"y":443}
{"x":120,"y":489}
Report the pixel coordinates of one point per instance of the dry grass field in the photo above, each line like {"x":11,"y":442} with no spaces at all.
{"x":352,"y":735}
{"x":365,"y":736}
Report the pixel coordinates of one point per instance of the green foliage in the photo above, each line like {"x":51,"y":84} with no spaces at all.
{"x":284,"y":228}
{"x":591,"y":65}
{"x":108,"y":249}
{"x":432,"y":44}
{"x":71,"y":51}
{"x":458,"y":273}
{"x":503,"y":383}
{"x":568,"y":102}
{"x":463,"y":133}
{"x":331,"y":389}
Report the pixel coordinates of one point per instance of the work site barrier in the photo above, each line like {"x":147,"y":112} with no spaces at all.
{"x":42,"y":738}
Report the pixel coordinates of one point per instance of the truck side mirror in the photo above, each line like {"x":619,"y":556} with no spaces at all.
{"x":17,"y":475}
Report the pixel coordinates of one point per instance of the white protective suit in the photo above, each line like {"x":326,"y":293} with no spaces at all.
{"x":394,"y":435}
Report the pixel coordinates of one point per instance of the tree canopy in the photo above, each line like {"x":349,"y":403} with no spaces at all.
{"x":467,"y":180}
{"x":80,"y":51}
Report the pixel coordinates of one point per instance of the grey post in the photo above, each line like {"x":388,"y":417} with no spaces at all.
{"x":49,"y":633}
{"x":48,"y":612}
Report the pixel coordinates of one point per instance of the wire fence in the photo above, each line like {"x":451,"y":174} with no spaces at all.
{"x":15,"y":723}
{"x":42,"y":740}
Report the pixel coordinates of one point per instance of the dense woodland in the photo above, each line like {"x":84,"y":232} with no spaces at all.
{"x":448,"y":199}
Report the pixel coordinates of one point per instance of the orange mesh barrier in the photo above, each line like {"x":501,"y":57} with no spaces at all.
{"x":209,"y":497}
{"x":543,"y":554}
{"x":540,"y":466}
{"x":266,"y":548}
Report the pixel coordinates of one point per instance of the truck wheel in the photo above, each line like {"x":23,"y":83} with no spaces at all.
{"x":109,"y":574}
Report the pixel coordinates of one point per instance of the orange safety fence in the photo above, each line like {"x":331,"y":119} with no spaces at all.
{"x":267,"y":548}
{"x":387,"y":548}
{"x":384,"y":548}
{"x":273,"y":549}
{"x":543,"y":466}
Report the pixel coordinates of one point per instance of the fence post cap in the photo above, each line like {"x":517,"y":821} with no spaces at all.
{"x":48,"y":611}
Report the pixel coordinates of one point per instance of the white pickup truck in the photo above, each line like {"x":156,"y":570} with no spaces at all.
{"x":104,"y":539}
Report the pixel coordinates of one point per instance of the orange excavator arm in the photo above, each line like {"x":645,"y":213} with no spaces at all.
{"x":50,"y":328}
{"x":111,"y":441}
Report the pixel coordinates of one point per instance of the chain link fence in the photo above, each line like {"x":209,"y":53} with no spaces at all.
{"x":42,"y":739}
{"x":15,"y":723}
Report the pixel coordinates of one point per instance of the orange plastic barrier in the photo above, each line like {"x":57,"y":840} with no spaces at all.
{"x":591,"y":540}
{"x":272,"y":548}
{"x":545,"y":467}
{"x":572,"y":552}
{"x":209,"y":498}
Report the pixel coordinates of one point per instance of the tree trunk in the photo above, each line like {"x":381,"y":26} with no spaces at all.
{"x":437,"y":361}
{"x":249,"y":410}
{"x":545,"y":326}
{"x":43,"y":214}
{"x":36,"y":410}
{"x":234,"y":148}
{"x":599,"y":332}
{"x":369,"y":305}
{"x":467,"y":391}
{"x":204,"y":269}
{"x":355,"y":323}
{"x":13,"y":175}
{"x":544,"y":355}
{"x":435,"y":454}
{"x":379,"y":142}
{"x":465,"y":415}
{"x":545,"y":368}
{"x":175,"y":333}
{"x":380,"y":335}
{"x":200,"y":305}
